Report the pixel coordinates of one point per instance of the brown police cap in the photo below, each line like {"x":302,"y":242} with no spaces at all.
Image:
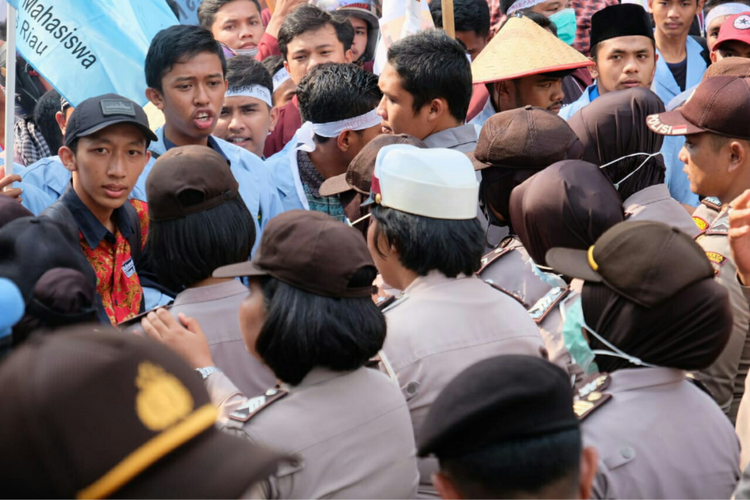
{"x":93,"y":413}
{"x":188,"y":180}
{"x":644,"y":261}
{"x":358,"y":175}
{"x":311,"y":251}
{"x":720,"y":105}
{"x":525,"y":137}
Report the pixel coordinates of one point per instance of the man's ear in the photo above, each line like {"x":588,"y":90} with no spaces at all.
{"x":274,"y":118}
{"x":349,"y":55}
{"x":60,"y":119}
{"x":712,"y":56}
{"x":68,"y":158}
{"x":589,"y":466}
{"x":738,"y":154}
{"x":444,"y":486}
{"x":651,"y":6}
{"x":438,"y":107}
{"x":506,"y":92}
{"x":156,"y":98}
{"x":593,"y":70}
{"x":344,"y":140}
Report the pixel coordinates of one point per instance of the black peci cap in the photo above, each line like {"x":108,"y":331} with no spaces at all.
{"x":618,"y":20}
{"x":97,"y":113}
{"x":499,"y":399}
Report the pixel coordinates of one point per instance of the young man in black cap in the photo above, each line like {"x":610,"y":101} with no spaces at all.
{"x":623,"y":48}
{"x":716,"y":155}
{"x":106,"y":149}
{"x":505,"y":428}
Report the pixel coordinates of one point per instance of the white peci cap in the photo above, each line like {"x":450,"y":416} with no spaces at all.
{"x":438,"y":183}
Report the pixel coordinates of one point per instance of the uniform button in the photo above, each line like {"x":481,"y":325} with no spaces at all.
{"x":627,"y":453}
{"x":412,"y":387}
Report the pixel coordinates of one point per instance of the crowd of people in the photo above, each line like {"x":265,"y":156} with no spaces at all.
{"x":513,"y":263}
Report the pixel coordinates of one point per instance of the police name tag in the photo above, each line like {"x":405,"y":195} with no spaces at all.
{"x":128,"y":267}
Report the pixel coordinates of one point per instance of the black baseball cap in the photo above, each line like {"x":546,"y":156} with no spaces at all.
{"x":644,"y":261}
{"x":496,"y":400}
{"x":97,"y":113}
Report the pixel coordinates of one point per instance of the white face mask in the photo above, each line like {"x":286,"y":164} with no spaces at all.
{"x":648,"y":157}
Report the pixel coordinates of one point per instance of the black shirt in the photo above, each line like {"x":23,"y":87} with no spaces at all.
{"x":679,"y":72}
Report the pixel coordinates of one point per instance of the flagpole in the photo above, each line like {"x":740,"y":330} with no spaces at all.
{"x":10,"y":88}
{"x":447,"y":13}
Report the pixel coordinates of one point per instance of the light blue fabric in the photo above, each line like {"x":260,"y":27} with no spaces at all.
{"x":665,"y":86}
{"x":281,"y":166}
{"x":33,"y":198}
{"x":153,"y":298}
{"x":487,"y":111}
{"x":567,"y":111}
{"x":90,"y":48}
{"x":257,"y":186}
{"x":676,"y":179}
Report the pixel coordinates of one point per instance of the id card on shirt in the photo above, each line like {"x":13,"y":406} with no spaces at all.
{"x":128,"y":267}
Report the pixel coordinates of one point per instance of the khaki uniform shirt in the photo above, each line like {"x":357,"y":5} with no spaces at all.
{"x":743,"y":421}
{"x":439,"y":327}
{"x":349,"y":431}
{"x":725,"y":378}
{"x":659,"y":436}
{"x":655,"y":204}
{"x":706,"y":213}
{"x":216,"y":308}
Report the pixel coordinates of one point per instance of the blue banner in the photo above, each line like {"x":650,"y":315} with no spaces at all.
{"x":187,"y":10}
{"x":86,"y":48}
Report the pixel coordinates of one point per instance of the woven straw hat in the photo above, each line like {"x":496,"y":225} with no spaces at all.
{"x":523,"y":48}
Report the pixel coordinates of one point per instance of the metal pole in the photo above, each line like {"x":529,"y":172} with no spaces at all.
{"x":10,"y":88}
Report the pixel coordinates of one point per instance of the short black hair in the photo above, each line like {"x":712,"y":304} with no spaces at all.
{"x":468,"y":15}
{"x":519,"y":468}
{"x":540,"y":19}
{"x":243,"y":71}
{"x":425,"y":244}
{"x":433,"y":66}
{"x":331,"y":92}
{"x":44,"y":119}
{"x":303,"y":331}
{"x":308,"y":17}
{"x":208,"y":9}
{"x":182,"y":252}
{"x":273,"y":64}
{"x":178,"y":44}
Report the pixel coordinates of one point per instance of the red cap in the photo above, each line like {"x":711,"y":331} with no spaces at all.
{"x":735,"y":27}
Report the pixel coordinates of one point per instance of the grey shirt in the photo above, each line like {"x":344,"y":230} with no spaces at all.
{"x":655,"y":204}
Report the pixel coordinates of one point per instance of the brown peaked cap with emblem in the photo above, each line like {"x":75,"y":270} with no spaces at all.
{"x":523,"y":48}
{"x":108,"y":415}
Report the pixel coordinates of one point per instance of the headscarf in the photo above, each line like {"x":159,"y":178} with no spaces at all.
{"x":687,"y":331}
{"x":569,"y":204}
{"x":614,"y":126}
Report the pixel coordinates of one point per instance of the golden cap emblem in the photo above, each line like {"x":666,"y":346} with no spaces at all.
{"x":162,"y":400}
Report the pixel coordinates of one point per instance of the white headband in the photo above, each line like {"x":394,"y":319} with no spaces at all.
{"x":523,"y":4}
{"x":257,"y":91}
{"x":333,"y":129}
{"x":727,"y":9}
{"x":280,"y":77}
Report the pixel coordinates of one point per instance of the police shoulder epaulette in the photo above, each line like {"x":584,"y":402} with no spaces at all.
{"x":394,"y":303}
{"x":253,"y":406}
{"x":136,"y":320}
{"x":712,"y":202}
{"x":543,"y":306}
{"x":720,"y":226}
{"x":591,"y":397}
{"x":491,"y":257}
{"x":506,"y":292}
{"x":700,"y":222}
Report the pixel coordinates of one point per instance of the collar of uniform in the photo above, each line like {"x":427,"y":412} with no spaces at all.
{"x":452,"y":138}
{"x":88,"y":224}
{"x":431,"y":280}
{"x":594,"y":92}
{"x":212,"y":143}
{"x":647,"y":196}
{"x":54,"y":173}
{"x":630,"y":379}
{"x":318,"y":375}
{"x":208,"y":293}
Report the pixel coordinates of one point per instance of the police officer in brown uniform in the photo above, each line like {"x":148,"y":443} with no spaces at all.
{"x":425,"y":240}
{"x":716,"y":154}
{"x":570,"y":204}
{"x":109,"y":415}
{"x":310,"y":318}
{"x":513,"y":146}
{"x":649,"y":311}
